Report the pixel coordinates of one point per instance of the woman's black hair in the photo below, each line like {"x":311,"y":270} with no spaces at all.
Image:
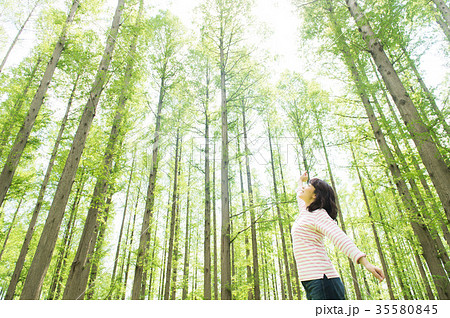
{"x":325,"y":198}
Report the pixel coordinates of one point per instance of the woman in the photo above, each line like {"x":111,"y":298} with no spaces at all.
{"x":317,"y":218}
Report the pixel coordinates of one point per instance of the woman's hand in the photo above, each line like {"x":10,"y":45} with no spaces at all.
{"x":303,"y":178}
{"x":377,"y":272}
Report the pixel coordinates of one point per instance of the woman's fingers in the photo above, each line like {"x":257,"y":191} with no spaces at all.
{"x":378,"y":273}
{"x":303,"y":177}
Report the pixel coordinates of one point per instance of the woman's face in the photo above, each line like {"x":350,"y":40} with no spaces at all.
{"x":307,"y":193}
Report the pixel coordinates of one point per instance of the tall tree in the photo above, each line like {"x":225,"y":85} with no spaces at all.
{"x":79,"y":272}
{"x":42,"y":257}
{"x":31,"y":226}
{"x":173,"y":219}
{"x":20,"y":142}
{"x":224,"y":21}
{"x":279,"y":216}
{"x":167,"y":43}
{"x":116,"y":257}
{"x":252,"y":211}
{"x":207,"y":237}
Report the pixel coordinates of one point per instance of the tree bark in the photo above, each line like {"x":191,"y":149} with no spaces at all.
{"x":9,"y":125}
{"x":127,"y":268}
{"x":150,"y":200}
{"x":64,"y":247}
{"x":246,"y":242}
{"x":10,"y":228}
{"x":252,"y":211}
{"x":226,"y":293}
{"x":12,"y":161}
{"x":31,"y":226}
{"x":444,"y":10}
{"x":374,"y":230}
{"x":440,"y":20}
{"x":280,"y":218}
{"x":176,"y":253}
{"x":96,"y":255}
{"x":79,"y":273}
{"x":187,"y":239}
{"x":207,"y":232}
{"x":173,"y":220}
{"x":116,"y":258}
{"x":216,"y":283}
{"x":44,"y":251}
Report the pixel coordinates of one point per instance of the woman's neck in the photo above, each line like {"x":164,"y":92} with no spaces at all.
{"x":307,"y":200}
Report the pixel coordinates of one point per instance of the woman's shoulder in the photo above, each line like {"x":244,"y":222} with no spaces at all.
{"x":322,"y":214}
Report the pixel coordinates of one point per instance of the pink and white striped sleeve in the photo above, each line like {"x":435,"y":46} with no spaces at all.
{"x":329,"y":227}
{"x":301,"y":203}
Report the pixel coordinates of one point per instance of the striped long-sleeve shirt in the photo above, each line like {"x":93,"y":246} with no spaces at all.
{"x":308,"y":232}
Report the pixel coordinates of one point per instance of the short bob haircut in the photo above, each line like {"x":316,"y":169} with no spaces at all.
{"x":325,"y":198}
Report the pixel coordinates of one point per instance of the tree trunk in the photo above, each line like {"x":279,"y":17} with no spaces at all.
{"x":17,"y":36}
{"x":78,"y":277}
{"x":280,"y":265}
{"x":424,"y":277}
{"x":127,"y":268}
{"x":437,"y":169}
{"x":187,"y":240}
{"x":444,"y":10}
{"x":216,"y":283}
{"x":63,"y":250}
{"x":149,"y":203}
{"x":280,"y":218}
{"x":207,"y":232}
{"x":252,"y":211}
{"x":439,"y":19}
{"x":44,"y":251}
{"x":116,"y":258}
{"x":294,"y":272}
{"x":300,"y":135}
{"x":374,"y":230}
{"x":225,"y":199}
{"x":10,"y":228}
{"x":392,"y":249}
{"x":246,"y":243}
{"x":12,"y":161}
{"x":162,"y":280}
{"x":96,"y":255}
{"x":8,"y":126}
{"x":173,"y":220}
{"x":31,"y":226}
{"x":152,"y":269}
{"x":176,"y":253}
